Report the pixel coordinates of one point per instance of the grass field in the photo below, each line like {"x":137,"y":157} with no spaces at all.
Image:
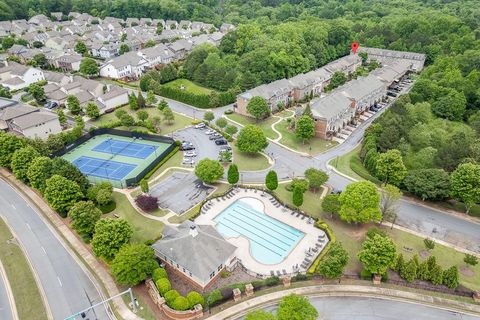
{"x":143,"y":228}
{"x":311,"y":201}
{"x":189,"y":86}
{"x":265,"y":125}
{"x":249,"y":162}
{"x":314,"y":146}
{"x":24,"y":288}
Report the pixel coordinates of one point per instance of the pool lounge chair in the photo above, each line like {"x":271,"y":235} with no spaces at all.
{"x":272,"y":273}
{"x":284,"y":272}
{"x":279,"y":273}
{"x":303,"y":217}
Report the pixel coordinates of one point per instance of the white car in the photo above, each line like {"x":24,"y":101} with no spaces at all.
{"x":210,"y":131}
{"x":201,"y":125}
{"x":188,"y":161}
{"x":190,"y":154}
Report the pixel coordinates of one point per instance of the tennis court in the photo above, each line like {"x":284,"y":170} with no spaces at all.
{"x":103,"y":168}
{"x":126,"y":148}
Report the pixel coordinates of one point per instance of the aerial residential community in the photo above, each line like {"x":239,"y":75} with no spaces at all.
{"x":267,"y":160}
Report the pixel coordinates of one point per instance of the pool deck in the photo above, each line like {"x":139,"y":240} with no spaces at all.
{"x":298,"y":253}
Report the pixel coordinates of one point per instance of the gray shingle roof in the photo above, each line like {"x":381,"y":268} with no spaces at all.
{"x":328,"y":107}
{"x":33,"y":119}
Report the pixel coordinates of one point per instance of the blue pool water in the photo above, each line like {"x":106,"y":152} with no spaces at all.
{"x":270,"y":240}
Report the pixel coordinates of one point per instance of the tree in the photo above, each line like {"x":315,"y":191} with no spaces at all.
{"x":8,"y":145}
{"x":67,"y":170}
{"x":429,"y":243}
{"x":258,"y":108}
{"x":232,"y":174}
{"x":101,"y":193}
{"x":259,"y":315}
{"x":297,"y":197}
{"x":231,"y":129}
{"x":221,"y":122}
{"x":39,"y":170}
{"x":195,"y":298}
{"x":133,"y":102}
{"x":5,"y":92}
{"x":81,"y":48}
{"x":144,"y":186}
{"x":37,"y":92}
{"x":162,"y":105}
{"x":422,"y":271}
{"x":88,"y":67}
{"x":428,"y":184}
{"x":465,"y":182}
{"x":316,"y":178}
{"x":163,"y":285}
{"x":110,"y":235}
{"x":209,"y":170}
{"x":451,"y":106}
{"x":331,"y":204}
{"x":133,"y":263}
{"x":40,"y":60}
{"x":159,"y":28}
{"x":168,"y":115}
{"x":21,"y":161}
{"x":251,"y":139}
{"x":142,"y":115}
{"x":305,"y":128}
{"x":141,"y":100}
{"x":104,"y":197}
{"x":436,"y":275}
{"x":399,"y":263}
{"x":84,"y":215}
{"x":377,"y":254}
{"x":451,"y":277}
{"x":409,"y":271}
{"x":360,"y":202}
{"x":151,"y":99}
{"x":73,"y":104}
{"x":333,"y":265}
{"x":470,"y":259}
{"x":271,"y":180}
{"x":7,"y":43}
{"x":127,"y":120}
{"x":124,"y":48}
{"x":92,"y":111}
{"x":208,"y":116}
{"x":295,"y":307}
{"x":159,"y":273}
{"x":61,"y":194}
{"x":61,"y":117}
{"x":390,"y":167}
{"x":389,"y":199}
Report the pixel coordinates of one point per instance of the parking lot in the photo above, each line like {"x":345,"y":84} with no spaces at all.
{"x":180,"y":192}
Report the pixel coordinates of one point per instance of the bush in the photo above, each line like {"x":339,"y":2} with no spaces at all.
{"x":300,"y":277}
{"x":180,"y":303}
{"x":373,"y":231}
{"x":159,"y":273}
{"x":163,"y":285}
{"x":147,"y":203}
{"x":227,"y":293}
{"x":366,"y":275}
{"x":228,"y":111}
{"x":195,"y":298}
{"x":272,"y":281}
{"x":214,"y":297}
{"x":257,"y":284}
{"x":170,"y":296}
{"x":451,"y":277}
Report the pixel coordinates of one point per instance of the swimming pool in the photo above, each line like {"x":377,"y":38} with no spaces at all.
{"x":271,"y":241}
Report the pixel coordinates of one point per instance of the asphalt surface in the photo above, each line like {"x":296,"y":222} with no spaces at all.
{"x":358,"y":308}
{"x":67,"y":287}
{"x":5,"y":309}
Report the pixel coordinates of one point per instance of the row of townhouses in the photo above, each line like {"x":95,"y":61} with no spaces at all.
{"x":334,"y":111}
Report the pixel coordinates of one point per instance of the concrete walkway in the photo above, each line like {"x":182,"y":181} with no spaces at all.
{"x":244,"y":307}
{"x":8,"y":290}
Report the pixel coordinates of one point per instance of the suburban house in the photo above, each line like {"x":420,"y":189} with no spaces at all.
{"x":129,"y":65}
{"x":331,"y":114}
{"x":197,"y":253}
{"x":117,"y":96}
{"x":364,"y":91}
{"x":417,"y":60}
{"x":69,"y":62}
{"x":156,"y":55}
{"x":16,"y":76}
{"x":26,"y":120}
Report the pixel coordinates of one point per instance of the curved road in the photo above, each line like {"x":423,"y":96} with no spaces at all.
{"x":5,"y":308}
{"x":67,"y":287}
{"x":358,"y":308}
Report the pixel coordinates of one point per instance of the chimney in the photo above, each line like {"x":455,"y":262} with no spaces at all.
{"x":193,"y":231}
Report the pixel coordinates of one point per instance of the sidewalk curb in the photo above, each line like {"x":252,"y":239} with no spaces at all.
{"x":8,"y":289}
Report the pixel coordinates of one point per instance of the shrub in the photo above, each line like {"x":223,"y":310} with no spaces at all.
{"x":373,"y":231}
{"x":163,"y":285}
{"x":272,"y":281}
{"x":147,"y":203}
{"x":451,"y":277}
{"x":180,"y":303}
{"x":195,"y":298}
{"x":257,"y":284}
{"x":366,"y":275}
{"x":470,"y":259}
{"x":159,"y":273}
{"x":170,"y":296}
{"x":300,"y":277}
{"x":214,"y":297}
{"x":429,"y":244}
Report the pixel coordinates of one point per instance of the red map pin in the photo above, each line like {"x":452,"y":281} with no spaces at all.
{"x":354,"y":47}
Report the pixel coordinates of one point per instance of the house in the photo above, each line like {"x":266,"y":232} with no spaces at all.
{"x":57,"y":43}
{"x":171,"y":25}
{"x":114,"y":98}
{"x":180,"y":48}
{"x":385,"y":56}
{"x":347,"y":64}
{"x":27,"y":120}
{"x":16,"y":76}
{"x":331,"y":114}
{"x":106,"y":51}
{"x":69,"y":62}
{"x":129,"y":65}
{"x":156,"y":55}
{"x":57,"y":78}
{"x":197,"y":253}
{"x":364,"y":91}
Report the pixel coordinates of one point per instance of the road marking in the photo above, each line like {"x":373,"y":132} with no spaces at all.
{"x":60,"y":282}
{"x":28,"y":226}
{"x":44,"y":250}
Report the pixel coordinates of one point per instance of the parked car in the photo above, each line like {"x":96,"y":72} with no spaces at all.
{"x":224,"y":147}
{"x":188,"y":161}
{"x":215,"y":136}
{"x":391,"y":94}
{"x":190,"y":154}
{"x":185,"y":146}
{"x":220,"y":142}
{"x":201,"y":125}
{"x":50,"y":105}
{"x":210,"y":131}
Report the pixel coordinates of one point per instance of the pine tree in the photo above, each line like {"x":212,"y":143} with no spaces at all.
{"x":132,"y":102}
{"x":409,"y":271}
{"x":399,"y":263}
{"x":451,"y":277}
{"x":422,"y":272}
{"x":141,"y":101}
{"x":436,"y":275}
{"x":232,"y":175}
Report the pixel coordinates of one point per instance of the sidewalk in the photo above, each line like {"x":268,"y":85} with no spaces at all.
{"x":244,"y":307}
{"x":8,"y":289}
{"x":76,"y":244}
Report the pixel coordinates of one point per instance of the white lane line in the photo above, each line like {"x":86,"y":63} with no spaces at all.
{"x":44,"y":250}
{"x":28,"y":226}
{"x":60,"y":282}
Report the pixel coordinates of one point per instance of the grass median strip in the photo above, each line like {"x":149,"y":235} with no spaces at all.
{"x":20,"y":276}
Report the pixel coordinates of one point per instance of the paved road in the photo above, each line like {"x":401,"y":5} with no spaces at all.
{"x":358,"y":308}
{"x":5,"y":309}
{"x":67,"y":287}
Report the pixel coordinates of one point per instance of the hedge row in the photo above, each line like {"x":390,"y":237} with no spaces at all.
{"x":148,"y":175}
{"x":197,"y":100}
{"x":332,"y":239}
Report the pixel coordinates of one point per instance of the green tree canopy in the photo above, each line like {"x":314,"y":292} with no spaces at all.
{"x":390,"y":167}
{"x":8,"y":145}
{"x":428,"y":184}
{"x":21,"y":161}
{"x":110,"y":235}
{"x":258,"y":108}
{"x":232,"y":174}
{"x":295,"y":307}
{"x":168,"y":115}
{"x":331,"y":203}
{"x":297,"y":197}
{"x":37,"y":92}
{"x":251,"y":139}
{"x":333,"y":265}
{"x":208,"y":116}
{"x":39,"y":170}
{"x":316,"y":178}
{"x":61,"y":194}
{"x":92,"y":110}
{"x":465,"y":184}
{"x":89,"y":67}
{"x":271,"y":180}
{"x":84,"y":215}
{"x":209,"y":170}
{"x":133,"y":263}
{"x":81,"y":48}
{"x":73,"y":104}
{"x":360,"y":202}
{"x":305,"y":128}
{"x":378,"y":254}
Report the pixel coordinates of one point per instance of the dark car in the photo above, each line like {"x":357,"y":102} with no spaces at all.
{"x":50,"y":105}
{"x":220,"y":142}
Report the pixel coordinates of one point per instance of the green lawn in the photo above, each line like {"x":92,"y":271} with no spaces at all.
{"x":314,"y":146}
{"x":143,"y":228}
{"x":265,"y":125}
{"x":249,"y":162}
{"x":311,"y":201}
{"x":285,"y":113}
{"x":189,"y":86}
{"x":180,"y":120}
{"x":174,"y":161}
{"x":24,"y":288}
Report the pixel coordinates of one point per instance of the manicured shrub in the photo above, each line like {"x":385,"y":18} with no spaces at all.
{"x":422,"y":271}
{"x":451,"y":277}
{"x":180,"y":303}
{"x":409,"y":271}
{"x":398,"y":263}
{"x":214,"y":297}
{"x":159,"y":273}
{"x":272,"y":281}
{"x":163,"y":285}
{"x":170,"y":296}
{"x":195,"y":298}
{"x":147,"y":203}
{"x":436,"y":275}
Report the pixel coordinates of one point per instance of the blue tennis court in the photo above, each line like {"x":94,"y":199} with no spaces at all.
{"x":103,"y":168}
{"x":125,"y":148}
